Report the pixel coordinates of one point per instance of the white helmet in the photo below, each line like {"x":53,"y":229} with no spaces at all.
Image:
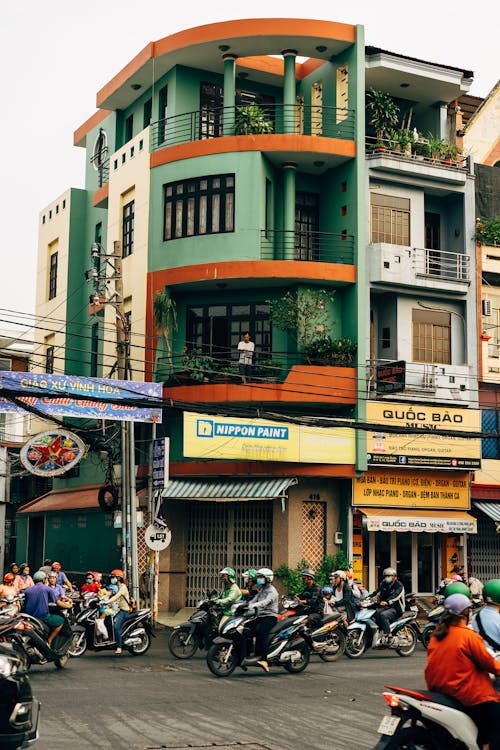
{"x":390,"y":572}
{"x":267,"y":573}
{"x":340,"y":573}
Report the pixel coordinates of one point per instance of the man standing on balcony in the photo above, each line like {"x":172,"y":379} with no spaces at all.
{"x":246,"y":350}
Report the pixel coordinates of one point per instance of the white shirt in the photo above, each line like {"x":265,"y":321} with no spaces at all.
{"x":246,"y":350}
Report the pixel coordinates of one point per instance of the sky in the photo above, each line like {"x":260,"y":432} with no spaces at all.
{"x":56,"y":54}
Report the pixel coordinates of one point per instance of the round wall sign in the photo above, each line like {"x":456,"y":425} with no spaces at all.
{"x":157,"y":538}
{"x":52,"y":453}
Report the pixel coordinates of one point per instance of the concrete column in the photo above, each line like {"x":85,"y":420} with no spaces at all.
{"x":229,"y":92}
{"x":289,"y":91}
{"x":289,"y":174}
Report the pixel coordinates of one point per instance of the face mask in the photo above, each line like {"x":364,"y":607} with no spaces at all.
{"x":89,"y":580}
{"x":388,"y":579}
{"x":261,"y":581}
{"x":113,"y":580}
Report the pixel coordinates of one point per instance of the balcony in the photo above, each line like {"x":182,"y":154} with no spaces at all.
{"x":298,"y":119}
{"x":427,"y":382}
{"x":387,"y":157}
{"x":419,"y":267}
{"x":318,"y":247}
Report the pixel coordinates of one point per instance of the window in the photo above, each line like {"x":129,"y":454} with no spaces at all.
{"x":390,"y":219}
{"x":431,"y":336}
{"x":268,"y":207}
{"x":128,"y":229}
{"x":53,"y":275}
{"x":147,"y":113}
{"x":211,"y":110}
{"x":94,"y":350}
{"x":490,"y":447}
{"x":204,"y":205}
{"x":306,"y":226}
{"x":493,"y":329}
{"x":217,"y":329}
{"x":129,"y":128}
{"x":162,"y":113}
{"x":49,"y":359}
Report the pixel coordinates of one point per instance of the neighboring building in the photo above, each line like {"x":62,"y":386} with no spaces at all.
{"x":228,"y":178}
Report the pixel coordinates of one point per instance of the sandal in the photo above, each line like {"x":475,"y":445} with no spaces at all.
{"x":263,"y":665}
{"x":118,"y":651}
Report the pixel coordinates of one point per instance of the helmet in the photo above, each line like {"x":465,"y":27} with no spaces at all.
{"x":250,"y":573}
{"x":457,"y":603}
{"x":308,"y":573}
{"x":56,"y":566}
{"x":340,"y":573}
{"x":390,"y":572}
{"x":267,"y":573}
{"x":8,"y":577}
{"x":230,"y":572}
{"x":39,"y":576}
{"x":118,"y":573}
{"x":97,"y":576}
{"x":457,"y":587}
{"x":491,"y":591}
{"x":456,"y":577}
{"x":327,"y":590}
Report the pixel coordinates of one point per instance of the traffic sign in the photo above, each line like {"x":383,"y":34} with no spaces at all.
{"x":158,"y":539}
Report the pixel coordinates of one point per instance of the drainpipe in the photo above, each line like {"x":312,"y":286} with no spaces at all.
{"x":229,"y":92}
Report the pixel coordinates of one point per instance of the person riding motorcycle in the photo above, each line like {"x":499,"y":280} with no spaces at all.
{"x":231,"y":592}
{"x":312,"y":598}
{"x":487,"y":621}
{"x":342,"y":596}
{"x":7,"y":589}
{"x":36,"y":604}
{"x":250,"y":584}
{"x":391,"y":597}
{"x":458,"y":665}
{"x":265,"y":606}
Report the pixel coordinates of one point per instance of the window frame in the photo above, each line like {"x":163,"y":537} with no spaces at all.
{"x":392,"y":218}
{"x":53,"y":262}
{"x":429,"y":345}
{"x":201,"y":339}
{"x":128,"y":220}
{"x":190,"y":206}
{"x":49,"y":358}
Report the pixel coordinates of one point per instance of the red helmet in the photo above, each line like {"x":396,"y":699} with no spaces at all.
{"x":97,"y":576}
{"x":118,"y":573}
{"x":9,"y":577}
{"x":56,"y":566}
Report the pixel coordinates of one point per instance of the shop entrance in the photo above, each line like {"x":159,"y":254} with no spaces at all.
{"x":416,"y":557}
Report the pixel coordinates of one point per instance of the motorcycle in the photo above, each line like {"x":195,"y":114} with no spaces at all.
{"x":137,"y":631}
{"x":29,"y":635}
{"x":425,"y":720}
{"x":19,"y":711}
{"x":435,"y":613}
{"x":289,"y":645}
{"x":328,"y":640}
{"x":364,"y":632}
{"x":197,"y":632}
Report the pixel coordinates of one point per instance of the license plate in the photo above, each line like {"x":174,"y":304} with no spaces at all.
{"x":388,"y":725}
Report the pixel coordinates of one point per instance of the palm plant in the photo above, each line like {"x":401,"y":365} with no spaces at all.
{"x":384,"y":112}
{"x":252,"y":120}
{"x":165,"y":318}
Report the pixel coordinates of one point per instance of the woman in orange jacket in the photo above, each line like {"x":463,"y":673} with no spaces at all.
{"x":458,"y":665}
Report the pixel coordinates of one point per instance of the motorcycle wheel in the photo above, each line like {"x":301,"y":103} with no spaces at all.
{"x":78,"y":645}
{"x":333,"y":643}
{"x":294,"y":667}
{"x":217,"y":662}
{"x":355,"y":644}
{"x":62,"y":661}
{"x":426,"y":636}
{"x":409,"y":738}
{"x":137,"y":649}
{"x":411,"y":638}
{"x":182,"y":644}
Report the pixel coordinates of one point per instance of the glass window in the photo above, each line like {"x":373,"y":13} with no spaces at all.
{"x":53,"y":276}
{"x":128,"y":229}
{"x":490,"y":447}
{"x":148,"y":113}
{"x":199,"y":206}
{"x":49,"y":359}
{"x":217,"y":329}
{"x":431,"y":336}
{"x":390,"y":219}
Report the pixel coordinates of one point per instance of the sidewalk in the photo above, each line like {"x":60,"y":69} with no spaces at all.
{"x":171,"y":619}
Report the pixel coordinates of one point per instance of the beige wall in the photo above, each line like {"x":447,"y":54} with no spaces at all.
{"x":484,"y":129}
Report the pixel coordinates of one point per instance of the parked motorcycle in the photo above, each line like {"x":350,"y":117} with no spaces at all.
{"x":18,"y":709}
{"x":364,"y":632}
{"x":328,"y":640}
{"x":198,"y":631}
{"x":137,"y":631}
{"x":425,"y":720}
{"x":289,"y":645}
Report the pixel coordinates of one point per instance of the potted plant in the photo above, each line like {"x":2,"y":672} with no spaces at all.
{"x":326,"y":350}
{"x":252,"y":120}
{"x":420,"y":146}
{"x":450,"y":152}
{"x":383,"y":115}
{"x":199,"y":366}
{"x":405,"y":140}
{"x":268,"y":371}
{"x":435,"y":146}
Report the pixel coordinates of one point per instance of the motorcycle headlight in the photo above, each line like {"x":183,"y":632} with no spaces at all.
{"x":7,"y":666}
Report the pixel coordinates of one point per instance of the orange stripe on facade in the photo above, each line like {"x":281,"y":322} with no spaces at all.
{"x":120,"y":78}
{"x":258,"y":468}
{"x":300,"y":143}
{"x":80,"y":134}
{"x":100,"y":195}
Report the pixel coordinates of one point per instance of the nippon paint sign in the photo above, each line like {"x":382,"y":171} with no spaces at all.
{"x":206,"y":436}
{"x":70,"y":396}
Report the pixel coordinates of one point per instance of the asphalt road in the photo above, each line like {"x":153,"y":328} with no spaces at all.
{"x":155,"y":701}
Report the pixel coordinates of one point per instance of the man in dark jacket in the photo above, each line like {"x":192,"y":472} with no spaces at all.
{"x":391,"y":597}
{"x":312,"y":598}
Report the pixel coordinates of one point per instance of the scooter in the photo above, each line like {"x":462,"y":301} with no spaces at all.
{"x":424,"y":719}
{"x":288,"y":645}
{"x":137,"y":631}
{"x":19,"y":710}
{"x":364,"y":632}
{"x":198,"y":631}
{"x":328,"y":640}
{"x":435,"y":613}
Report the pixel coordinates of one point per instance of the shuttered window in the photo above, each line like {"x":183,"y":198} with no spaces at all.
{"x":431,"y":336}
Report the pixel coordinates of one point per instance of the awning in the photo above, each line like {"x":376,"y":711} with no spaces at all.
{"x":399,"y":519}
{"x":492,"y":510}
{"x":228,"y":489}
{"x":64,"y":499}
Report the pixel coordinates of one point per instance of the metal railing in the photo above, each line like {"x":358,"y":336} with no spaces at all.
{"x":101,"y":165}
{"x":441,"y":263}
{"x":295,"y":119}
{"x":324,"y":247}
{"x":413,"y":153}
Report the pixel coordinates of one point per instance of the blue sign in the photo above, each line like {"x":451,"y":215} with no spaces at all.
{"x":70,"y":396}
{"x":161,"y":450}
{"x":208,"y":428}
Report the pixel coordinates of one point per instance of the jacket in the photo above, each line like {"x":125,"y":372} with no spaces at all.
{"x":393,"y":594}
{"x":313,"y":597}
{"x":458,"y":666}
{"x":265,"y":602}
{"x":228,"y":597}
{"x":347,"y":601}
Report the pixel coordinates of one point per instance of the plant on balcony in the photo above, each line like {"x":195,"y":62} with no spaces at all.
{"x":165,"y":320}
{"x":488,"y":231}
{"x":252,"y":120}
{"x":200,"y":367}
{"x":405,"y":140}
{"x":383,"y":114}
{"x":420,"y":147}
{"x":268,"y":370}
{"x":435,"y":147}
{"x":302,"y":314}
{"x":338,"y":352}
{"x":450,"y":151}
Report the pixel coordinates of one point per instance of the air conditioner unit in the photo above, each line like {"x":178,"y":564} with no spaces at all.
{"x":486,"y":305}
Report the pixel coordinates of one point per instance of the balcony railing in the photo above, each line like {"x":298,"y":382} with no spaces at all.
{"x":441,"y":264}
{"x":324,"y":247}
{"x":100,"y":162}
{"x":412,"y":154}
{"x":295,"y":119}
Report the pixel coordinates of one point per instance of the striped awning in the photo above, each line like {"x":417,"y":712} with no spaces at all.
{"x":221,"y":490}
{"x":492,"y":510}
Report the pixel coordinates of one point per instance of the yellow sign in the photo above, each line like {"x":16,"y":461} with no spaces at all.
{"x":411,"y":489}
{"x":409,"y":449}
{"x":206,"y":436}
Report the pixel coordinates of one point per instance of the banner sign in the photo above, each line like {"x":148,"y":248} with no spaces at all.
{"x":390,"y":377}
{"x":207,"y":436}
{"x":161,"y":453}
{"x":422,"y":523}
{"x":407,"y":449}
{"x":411,"y":489}
{"x":70,"y":396}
